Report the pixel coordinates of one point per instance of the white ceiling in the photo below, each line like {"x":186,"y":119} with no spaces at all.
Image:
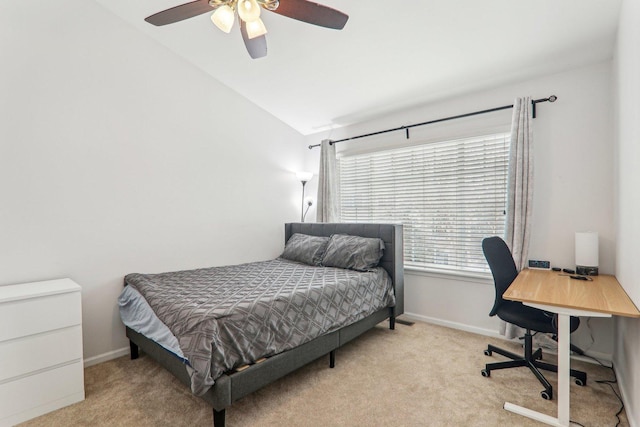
{"x":391,"y":54}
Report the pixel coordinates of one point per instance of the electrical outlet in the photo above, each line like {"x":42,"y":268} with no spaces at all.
{"x":539,"y":264}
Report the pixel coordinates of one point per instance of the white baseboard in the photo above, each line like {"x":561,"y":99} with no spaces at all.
{"x":622,"y":386}
{"x":104,"y":357}
{"x":603,"y":357}
{"x":453,"y":325}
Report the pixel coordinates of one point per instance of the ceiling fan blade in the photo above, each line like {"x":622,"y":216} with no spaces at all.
{"x":179,"y":13}
{"x":257,"y":46}
{"x":312,"y":13}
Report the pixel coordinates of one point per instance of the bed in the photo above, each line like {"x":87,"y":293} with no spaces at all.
{"x":247,"y":371}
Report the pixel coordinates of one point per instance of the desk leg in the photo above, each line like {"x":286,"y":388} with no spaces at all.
{"x":563,"y":369}
{"x":534,"y":415}
{"x":562,"y":391}
{"x":564,"y":357}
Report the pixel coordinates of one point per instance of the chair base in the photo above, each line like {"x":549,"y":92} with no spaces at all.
{"x":532,"y":360}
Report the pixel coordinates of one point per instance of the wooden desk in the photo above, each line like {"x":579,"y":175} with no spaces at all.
{"x":558,"y":293}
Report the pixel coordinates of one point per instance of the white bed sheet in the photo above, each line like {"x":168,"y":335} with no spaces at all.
{"x":136,"y":313}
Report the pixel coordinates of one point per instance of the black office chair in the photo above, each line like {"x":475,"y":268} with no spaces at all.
{"x":504,"y":272}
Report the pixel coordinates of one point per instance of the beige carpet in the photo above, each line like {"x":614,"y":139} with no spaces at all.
{"x":421,"y":375}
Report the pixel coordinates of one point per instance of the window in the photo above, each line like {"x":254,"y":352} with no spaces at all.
{"x":449,"y":195}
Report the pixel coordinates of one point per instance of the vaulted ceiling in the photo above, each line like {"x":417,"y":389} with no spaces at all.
{"x":390,"y":55}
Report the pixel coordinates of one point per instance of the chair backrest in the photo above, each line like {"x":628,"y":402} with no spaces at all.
{"x":502,"y":266}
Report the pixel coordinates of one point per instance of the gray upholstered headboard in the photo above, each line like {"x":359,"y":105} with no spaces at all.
{"x":391,"y":234}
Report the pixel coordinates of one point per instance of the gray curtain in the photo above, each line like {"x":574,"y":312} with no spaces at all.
{"x":519,"y":191}
{"x":328,"y":185}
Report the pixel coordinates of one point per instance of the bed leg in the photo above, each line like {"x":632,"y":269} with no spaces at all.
{"x":332,"y":359}
{"x":392,"y":318}
{"x":134,"y":350}
{"x":218,"y":418}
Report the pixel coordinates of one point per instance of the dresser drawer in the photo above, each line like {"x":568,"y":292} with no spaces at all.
{"x":36,"y":352}
{"x":40,"y":314}
{"x":37,"y":394}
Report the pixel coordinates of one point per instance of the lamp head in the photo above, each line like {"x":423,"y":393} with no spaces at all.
{"x":255,"y":28}
{"x":304,"y":176}
{"x":248,"y":10}
{"x":223,"y":18}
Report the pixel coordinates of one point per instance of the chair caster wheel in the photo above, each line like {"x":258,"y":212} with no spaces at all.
{"x":488,"y":352}
{"x":485,"y":373}
{"x":579,"y":382}
{"x":545,"y":395}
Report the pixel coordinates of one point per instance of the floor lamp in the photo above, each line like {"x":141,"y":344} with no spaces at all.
{"x":304,"y":177}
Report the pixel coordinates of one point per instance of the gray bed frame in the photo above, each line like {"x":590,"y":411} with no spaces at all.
{"x":233,"y":386}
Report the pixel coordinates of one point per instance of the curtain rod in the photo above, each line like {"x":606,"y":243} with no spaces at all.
{"x":552,"y":98}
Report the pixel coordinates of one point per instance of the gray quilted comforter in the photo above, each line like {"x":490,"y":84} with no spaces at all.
{"x":224,"y":317}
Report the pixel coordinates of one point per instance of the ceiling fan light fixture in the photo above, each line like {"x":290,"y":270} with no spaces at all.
{"x":256,"y":28}
{"x":249,"y":10}
{"x":223,"y":18}
{"x":252,"y":29}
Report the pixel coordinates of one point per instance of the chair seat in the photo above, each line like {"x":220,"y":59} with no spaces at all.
{"x":531,"y":318}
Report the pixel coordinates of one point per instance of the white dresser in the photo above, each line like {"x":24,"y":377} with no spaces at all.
{"x":41,"y":367}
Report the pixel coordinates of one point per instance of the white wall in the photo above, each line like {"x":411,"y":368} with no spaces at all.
{"x":118,"y":157}
{"x":627,"y":90}
{"x":573,"y":185}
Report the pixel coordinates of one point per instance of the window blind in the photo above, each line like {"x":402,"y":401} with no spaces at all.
{"x":449,"y":195}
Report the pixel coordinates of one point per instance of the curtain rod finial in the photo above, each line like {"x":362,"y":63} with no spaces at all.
{"x":553,"y":98}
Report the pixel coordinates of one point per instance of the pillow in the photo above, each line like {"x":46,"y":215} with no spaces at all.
{"x":353,"y":252}
{"x":304,"y":248}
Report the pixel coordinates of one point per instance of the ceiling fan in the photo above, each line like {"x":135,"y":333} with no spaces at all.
{"x":251,"y":26}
